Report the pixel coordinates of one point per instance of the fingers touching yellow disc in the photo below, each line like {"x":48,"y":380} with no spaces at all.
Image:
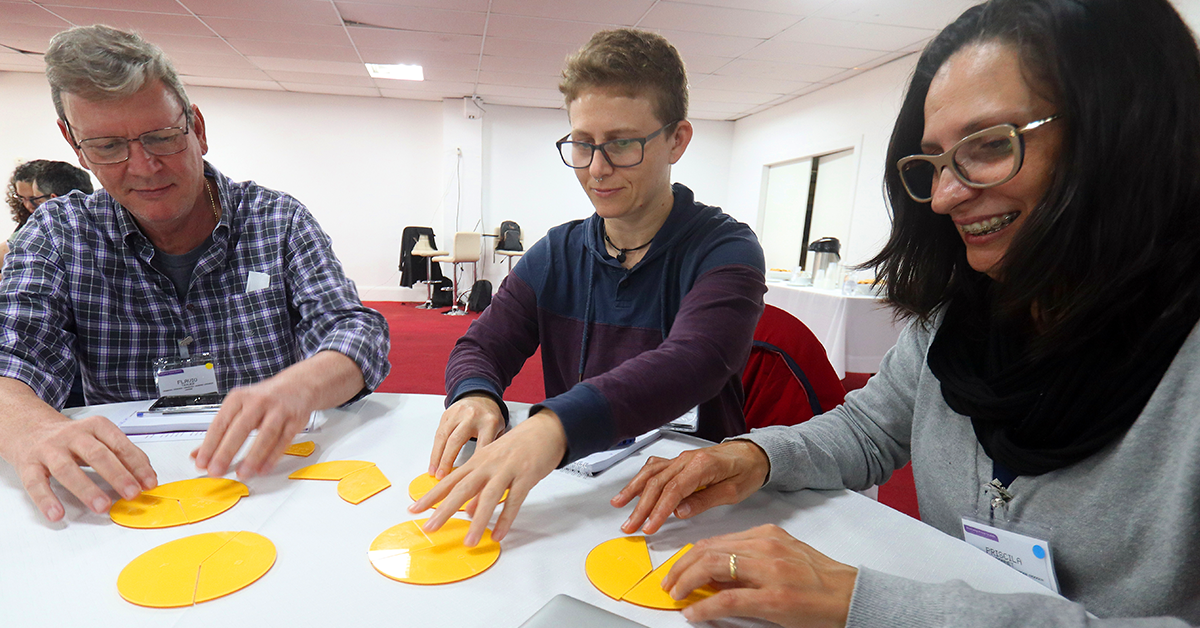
{"x":362,"y":484}
{"x":196,"y":569}
{"x":178,"y":503}
{"x":406,"y":553}
{"x":304,"y":449}
{"x":425,"y":482}
{"x":621,"y":569}
{"x":332,"y":470}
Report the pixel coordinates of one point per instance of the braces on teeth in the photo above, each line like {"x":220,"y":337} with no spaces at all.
{"x":991,"y":225}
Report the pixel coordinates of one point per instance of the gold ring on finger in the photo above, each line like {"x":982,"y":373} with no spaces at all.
{"x":733,"y":567}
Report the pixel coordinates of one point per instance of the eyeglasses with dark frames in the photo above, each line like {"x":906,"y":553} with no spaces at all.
{"x":32,"y":200}
{"x":980,"y":160}
{"x":622,"y":153}
{"x":104,"y":151}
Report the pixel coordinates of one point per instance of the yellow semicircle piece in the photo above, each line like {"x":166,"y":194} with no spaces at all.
{"x":332,"y":470}
{"x":405,"y":553}
{"x":235,"y":566}
{"x":425,"y":482}
{"x":649,"y":591}
{"x":615,"y":566}
{"x":165,"y":576}
{"x":303,"y":449}
{"x":178,"y":503}
{"x":358,"y":486}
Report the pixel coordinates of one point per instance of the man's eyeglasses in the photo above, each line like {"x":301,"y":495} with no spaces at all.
{"x":980,"y":160}
{"x":625,"y":153}
{"x":32,"y":201}
{"x":104,"y":151}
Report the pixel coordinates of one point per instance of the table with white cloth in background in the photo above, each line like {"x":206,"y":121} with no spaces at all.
{"x":856,"y":330}
{"x":65,"y":574}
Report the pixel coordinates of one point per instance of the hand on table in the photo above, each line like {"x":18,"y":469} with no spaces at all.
{"x":730,"y":472}
{"x":59,"y":448}
{"x":515,"y":462}
{"x":275,"y":411}
{"x":473,"y":416}
{"x":779,"y":579}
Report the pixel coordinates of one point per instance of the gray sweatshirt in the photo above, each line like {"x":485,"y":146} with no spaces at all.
{"x":1123,"y":525}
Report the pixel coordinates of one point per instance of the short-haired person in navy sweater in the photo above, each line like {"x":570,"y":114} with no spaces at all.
{"x":643,"y":311}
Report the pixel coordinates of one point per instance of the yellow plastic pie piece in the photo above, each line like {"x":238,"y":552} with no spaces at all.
{"x":425,"y":482}
{"x":196,"y":569}
{"x":406,"y":553}
{"x":178,"y":503}
{"x":621,"y":569}
{"x":332,"y":470}
{"x":617,"y":565}
{"x":649,"y":591}
{"x":304,"y":449}
{"x":362,"y":484}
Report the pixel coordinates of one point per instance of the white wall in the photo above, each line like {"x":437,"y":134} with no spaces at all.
{"x":858,"y":114}
{"x":367,"y":167}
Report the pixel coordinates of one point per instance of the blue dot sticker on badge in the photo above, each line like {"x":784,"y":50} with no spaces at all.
{"x":1039,"y":552}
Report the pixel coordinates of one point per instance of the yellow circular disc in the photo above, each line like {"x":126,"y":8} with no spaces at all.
{"x":406,"y":553}
{"x":196,"y":569}
{"x":178,"y":503}
{"x":621,"y":569}
{"x":424,"y":483}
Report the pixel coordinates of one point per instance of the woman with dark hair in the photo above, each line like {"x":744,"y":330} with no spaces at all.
{"x":1045,"y":243}
{"x":23,"y":196}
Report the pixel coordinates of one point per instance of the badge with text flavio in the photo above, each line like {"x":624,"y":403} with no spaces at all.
{"x":194,"y":375}
{"x":1028,"y":555}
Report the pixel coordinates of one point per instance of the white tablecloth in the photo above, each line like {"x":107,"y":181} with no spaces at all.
{"x":65,"y":574}
{"x":855,"y":330}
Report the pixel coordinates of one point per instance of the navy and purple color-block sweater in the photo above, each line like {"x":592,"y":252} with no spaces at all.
{"x":625,"y":351}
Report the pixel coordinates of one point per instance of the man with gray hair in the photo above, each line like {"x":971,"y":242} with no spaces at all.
{"x":172,"y":266}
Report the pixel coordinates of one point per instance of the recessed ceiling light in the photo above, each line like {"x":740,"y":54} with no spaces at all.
{"x":397,"y":71}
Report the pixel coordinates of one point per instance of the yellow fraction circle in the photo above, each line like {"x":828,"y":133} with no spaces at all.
{"x":621,"y":569}
{"x":358,"y":486}
{"x":332,"y":470}
{"x":425,"y":482}
{"x":406,"y":553}
{"x":303,"y":449}
{"x":196,"y":569}
{"x":178,"y":503}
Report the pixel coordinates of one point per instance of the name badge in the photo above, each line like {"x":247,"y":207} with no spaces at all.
{"x":194,"y":375}
{"x":1028,"y":555}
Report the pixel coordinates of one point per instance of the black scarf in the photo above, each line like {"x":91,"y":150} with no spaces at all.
{"x":1034,"y":414}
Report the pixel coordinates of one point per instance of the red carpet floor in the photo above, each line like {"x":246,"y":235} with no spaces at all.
{"x":421,"y":344}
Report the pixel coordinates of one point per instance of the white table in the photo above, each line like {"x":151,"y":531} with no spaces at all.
{"x":65,"y":574}
{"x":856,"y":330}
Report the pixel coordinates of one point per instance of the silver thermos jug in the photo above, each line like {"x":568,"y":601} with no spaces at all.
{"x":822,"y":253}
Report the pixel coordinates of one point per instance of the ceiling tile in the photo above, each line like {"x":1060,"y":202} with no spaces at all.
{"x":790,"y":7}
{"x":339,"y":90}
{"x":750,"y":84}
{"x":455,"y":90}
{"x":815,"y":54}
{"x":406,"y":94}
{"x":207,"y":59}
{"x":206,"y":81}
{"x":700,"y":97}
{"x":514,"y":64}
{"x":146,"y":23}
{"x":451,"y":75}
{"x":517,"y":101}
{"x":213,"y":71}
{"x":716,"y":20}
{"x":526,"y":48}
{"x":31,"y":14}
{"x":342,"y":80}
{"x":145,"y":6}
{"x":27,"y":37}
{"x":541,"y":29}
{"x":479,"y":6}
{"x":623,"y":12}
{"x":514,"y":90}
{"x":188,"y":43}
{"x":320,"y":34}
{"x":424,"y":58}
{"x":252,"y":48}
{"x":775,"y":69}
{"x":689,"y":43}
{"x":414,"y":18}
{"x":279,"y":11}
{"x":704,"y":64}
{"x":386,"y":38}
{"x":854,"y":34}
{"x":309,"y":65}
{"x":540,"y":81}
{"x":930,"y":15}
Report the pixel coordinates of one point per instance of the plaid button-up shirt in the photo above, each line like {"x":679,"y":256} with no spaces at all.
{"x":78,"y":289}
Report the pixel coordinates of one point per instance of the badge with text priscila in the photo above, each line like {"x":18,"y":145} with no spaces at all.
{"x":1028,"y":555}
{"x":192,"y":375}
